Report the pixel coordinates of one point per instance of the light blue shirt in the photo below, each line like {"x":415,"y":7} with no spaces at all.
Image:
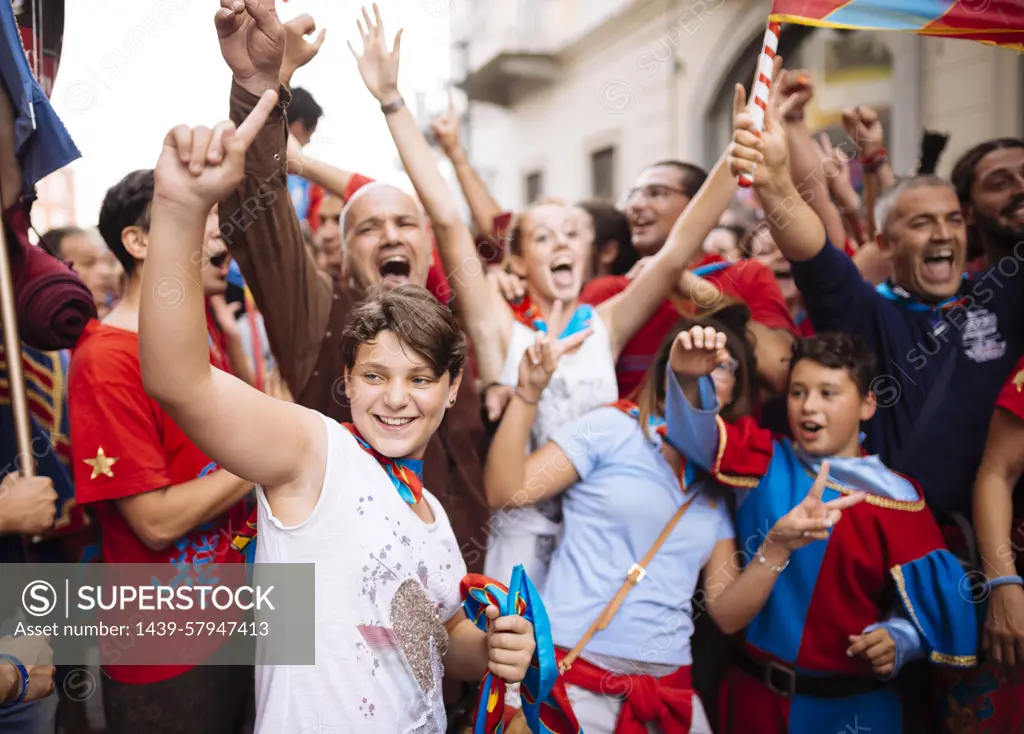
{"x":626,"y":494}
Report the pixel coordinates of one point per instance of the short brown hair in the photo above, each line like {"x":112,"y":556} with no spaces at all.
{"x":731,"y":319}
{"x":836,"y":351}
{"x":416,"y":318}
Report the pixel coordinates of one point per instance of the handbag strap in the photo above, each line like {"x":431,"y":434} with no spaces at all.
{"x":634,"y":576}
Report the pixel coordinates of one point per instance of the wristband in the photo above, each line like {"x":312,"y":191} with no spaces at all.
{"x":525,"y":399}
{"x":874,"y":161}
{"x":22,"y":673}
{"x":1004,"y":581}
{"x":391,"y":107}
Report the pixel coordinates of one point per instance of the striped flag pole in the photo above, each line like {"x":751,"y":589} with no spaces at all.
{"x":762,"y":85}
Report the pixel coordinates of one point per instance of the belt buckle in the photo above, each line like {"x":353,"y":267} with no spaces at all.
{"x":790,"y":675}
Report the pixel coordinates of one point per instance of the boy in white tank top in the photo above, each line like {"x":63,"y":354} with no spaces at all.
{"x":347,"y":498}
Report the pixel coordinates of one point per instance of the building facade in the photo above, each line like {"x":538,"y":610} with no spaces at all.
{"x":572,"y":98}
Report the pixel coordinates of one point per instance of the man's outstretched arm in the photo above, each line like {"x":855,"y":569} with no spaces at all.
{"x":258,"y":220}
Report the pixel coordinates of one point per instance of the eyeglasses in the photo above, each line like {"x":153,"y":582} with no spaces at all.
{"x":731,"y":366}
{"x":652,"y":191}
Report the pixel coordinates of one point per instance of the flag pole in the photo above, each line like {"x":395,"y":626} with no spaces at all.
{"x":762,"y":85}
{"x":15,"y":373}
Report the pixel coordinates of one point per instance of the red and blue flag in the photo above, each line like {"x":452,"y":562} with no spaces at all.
{"x":999,"y":22}
{"x":543,"y":713}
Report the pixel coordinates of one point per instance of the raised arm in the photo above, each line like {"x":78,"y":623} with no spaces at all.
{"x":258,"y":220}
{"x":267,"y":441}
{"x":795,"y":227}
{"x":626,"y":313}
{"x":485,"y":317}
{"x":508,"y":479}
{"x":805,"y":163}
{"x":482,"y":206}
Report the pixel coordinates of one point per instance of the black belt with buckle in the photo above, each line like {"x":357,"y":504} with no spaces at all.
{"x":787,"y":682}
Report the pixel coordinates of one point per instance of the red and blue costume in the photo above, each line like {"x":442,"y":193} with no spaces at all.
{"x":885,"y":565}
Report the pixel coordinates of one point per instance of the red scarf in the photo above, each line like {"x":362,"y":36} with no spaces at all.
{"x":666,"y":701}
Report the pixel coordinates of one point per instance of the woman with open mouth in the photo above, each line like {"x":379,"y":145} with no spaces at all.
{"x":546,"y":249}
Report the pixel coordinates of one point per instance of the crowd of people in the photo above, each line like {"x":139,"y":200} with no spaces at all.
{"x":757,"y":451}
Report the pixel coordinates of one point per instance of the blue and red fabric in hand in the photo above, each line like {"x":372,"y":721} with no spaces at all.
{"x":543,"y":713}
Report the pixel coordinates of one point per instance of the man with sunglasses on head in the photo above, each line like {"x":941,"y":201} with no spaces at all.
{"x":661,"y":194}
{"x":158,"y":498}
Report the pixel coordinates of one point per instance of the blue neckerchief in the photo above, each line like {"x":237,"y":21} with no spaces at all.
{"x":705,"y":270}
{"x":910,"y":302}
{"x":861,"y":473}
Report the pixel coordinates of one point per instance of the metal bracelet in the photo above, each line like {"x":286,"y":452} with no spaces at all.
{"x":764,"y":562}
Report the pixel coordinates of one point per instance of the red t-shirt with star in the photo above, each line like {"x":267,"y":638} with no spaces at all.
{"x":747,"y":280}
{"x":123,"y":444}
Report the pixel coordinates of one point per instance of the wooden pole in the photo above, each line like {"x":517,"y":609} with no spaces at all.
{"x":15,"y":374}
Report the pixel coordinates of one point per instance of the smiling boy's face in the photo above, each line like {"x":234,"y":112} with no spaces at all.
{"x":826,"y":408}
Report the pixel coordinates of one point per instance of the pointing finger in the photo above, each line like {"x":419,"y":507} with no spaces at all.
{"x":252,"y":124}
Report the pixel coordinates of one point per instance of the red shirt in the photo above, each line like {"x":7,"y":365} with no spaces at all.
{"x":747,"y":280}
{"x":124,"y":444}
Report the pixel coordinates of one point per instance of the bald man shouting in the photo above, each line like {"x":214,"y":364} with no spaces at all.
{"x":385,"y":242}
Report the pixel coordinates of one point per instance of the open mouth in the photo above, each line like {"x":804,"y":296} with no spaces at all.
{"x":562,"y":272}
{"x":809,"y":431}
{"x":395,"y":268}
{"x":392,"y":423}
{"x":938,"y":264}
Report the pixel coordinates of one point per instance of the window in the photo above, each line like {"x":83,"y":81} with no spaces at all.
{"x":602,"y":173}
{"x":534,"y":186}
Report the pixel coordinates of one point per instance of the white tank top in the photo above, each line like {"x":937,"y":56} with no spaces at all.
{"x":583,"y":381}
{"x":386,"y":583}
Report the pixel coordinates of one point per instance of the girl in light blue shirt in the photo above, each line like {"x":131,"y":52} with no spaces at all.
{"x":622,"y":483}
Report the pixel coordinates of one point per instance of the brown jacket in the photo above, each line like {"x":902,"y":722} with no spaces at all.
{"x":305,"y":314}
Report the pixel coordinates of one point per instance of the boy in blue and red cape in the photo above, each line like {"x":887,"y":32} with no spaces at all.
{"x":845,"y":613}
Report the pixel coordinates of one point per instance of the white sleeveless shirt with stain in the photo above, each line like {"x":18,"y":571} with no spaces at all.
{"x":386,"y":583}
{"x":583,"y":381}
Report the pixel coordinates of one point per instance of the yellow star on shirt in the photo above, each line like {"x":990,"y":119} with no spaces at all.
{"x":1018,"y":380}
{"x":101,"y":464}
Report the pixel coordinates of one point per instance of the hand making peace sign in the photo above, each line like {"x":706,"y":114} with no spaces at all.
{"x":541,"y":359}
{"x":199,"y":166}
{"x":812,"y":519}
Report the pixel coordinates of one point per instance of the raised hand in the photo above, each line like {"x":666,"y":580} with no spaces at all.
{"x":541,"y":359}
{"x":252,"y":42}
{"x":865,"y":129}
{"x":766,"y":151}
{"x":199,"y":166}
{"x":377,"y":66}
{"x":796,"y":85}
{"x":297,"y":50}
{"x":445,"y":128}
{"x":812,"y":519}
{"x":697,"y":351}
